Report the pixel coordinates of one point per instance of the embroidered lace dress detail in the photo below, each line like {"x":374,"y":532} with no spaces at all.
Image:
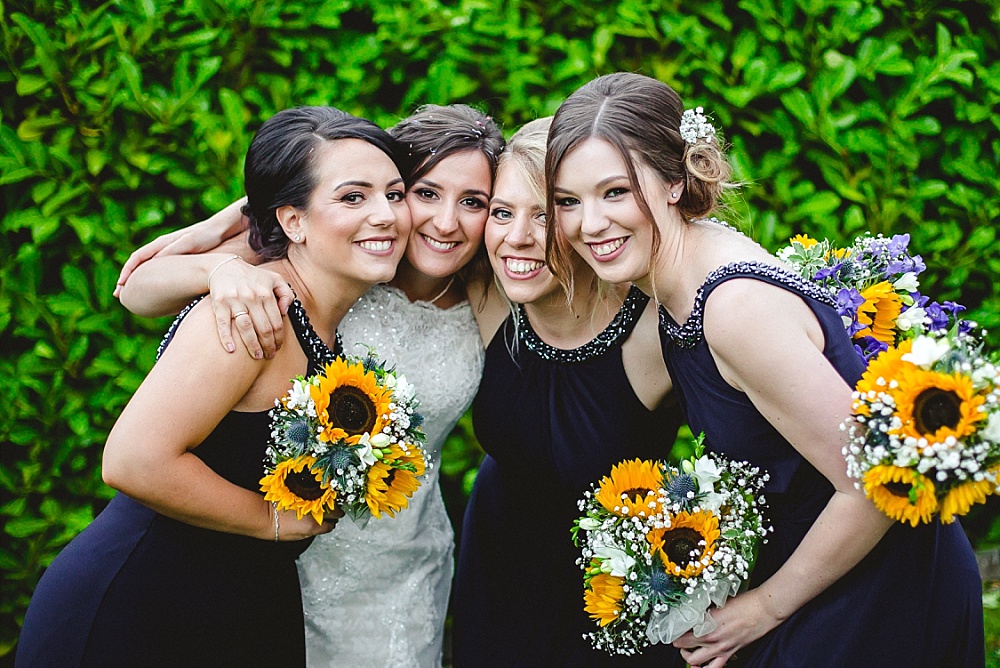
{"x":690,"y":333}
{"x":611,"y":336}
{"x":378,"y":596}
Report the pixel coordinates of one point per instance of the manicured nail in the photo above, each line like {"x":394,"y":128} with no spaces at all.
{"x":230,"y":347}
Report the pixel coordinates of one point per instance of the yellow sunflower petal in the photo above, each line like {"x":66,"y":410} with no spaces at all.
{"x":632,"y":488}
{"x":294,"y":485}
{"x":603,"y":599}
{"x":935,"y":405}
{"x":879,"y":312}
{"x":349,"y":402}
{"x":687,"y":544}
{"x":961,"y":498}
{"x":889,"y":488}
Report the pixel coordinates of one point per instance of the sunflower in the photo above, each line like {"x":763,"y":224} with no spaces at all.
{"x":960,"y":498}
{"x":349,"y":402}
{"x":686,"y":545}
{"x":632,"y":489}
{"x":603,"y":599}
{"x":393,"y":479}
{"x":935,"y":405}
{"x":901,"y":493}
{"x":887,"y":365}
{"x":879,"y":312}
{"x":295,"y":485}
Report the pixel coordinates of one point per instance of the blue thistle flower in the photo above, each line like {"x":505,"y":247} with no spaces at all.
{"x":678,"y":488}
{"x":341,"y":458}
{"x":299,"y":432}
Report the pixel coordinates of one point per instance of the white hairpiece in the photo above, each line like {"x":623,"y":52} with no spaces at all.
{"x":695,"y":126}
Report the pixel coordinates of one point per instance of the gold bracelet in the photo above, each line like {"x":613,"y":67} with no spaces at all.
{"x":274,"y":508}
{"x":212,"y":273}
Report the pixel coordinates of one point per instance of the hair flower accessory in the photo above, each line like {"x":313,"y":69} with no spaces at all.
{"x":694,"y":126}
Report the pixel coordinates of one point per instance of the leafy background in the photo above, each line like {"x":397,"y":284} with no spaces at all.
{"x":122,"y":120}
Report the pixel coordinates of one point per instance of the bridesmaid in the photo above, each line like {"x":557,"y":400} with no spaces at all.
{"x":569,"y":390}
{"x":423,"y":322}
{"x":762,"y":364}
{"x":188,"y":565}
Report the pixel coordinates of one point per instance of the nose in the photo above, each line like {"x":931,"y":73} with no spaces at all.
{"x":519,"y":234}
{"x":593,"y":220}
{"x":446,"y":221}
{"x":383,"y":213}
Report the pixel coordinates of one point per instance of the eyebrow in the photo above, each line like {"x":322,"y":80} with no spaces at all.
{"x":600,"y":184}
{"x":500,"y":202}
{"x":365,"y":184}
{"x":470,"y":191}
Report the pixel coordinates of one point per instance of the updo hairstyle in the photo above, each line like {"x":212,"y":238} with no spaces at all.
{"x":281,"y":163}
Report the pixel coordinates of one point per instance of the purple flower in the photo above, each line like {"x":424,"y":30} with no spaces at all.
{"x":966,"y":326}
{"x":897,"y":244}
{"x":938,"y":315}
{"x":848,"y":301}
{"x":868,"y":347}
{"x":952,"y":307}
{"x":827,"y":272}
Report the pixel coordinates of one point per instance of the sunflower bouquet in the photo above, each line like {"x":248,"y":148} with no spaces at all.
{"x":348,"y":437}
{"x":874,"y":282}
{"x":924,"y":437}
{"x":661,"y":544}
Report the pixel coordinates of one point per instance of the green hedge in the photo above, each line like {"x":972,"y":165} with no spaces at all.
{"x":120,"y":121}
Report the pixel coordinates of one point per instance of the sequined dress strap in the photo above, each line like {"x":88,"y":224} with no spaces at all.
{"x":316,"y":350}
{"x":688,"y":334}
{"x":612,"y":335}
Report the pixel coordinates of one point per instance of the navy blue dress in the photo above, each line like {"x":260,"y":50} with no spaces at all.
{"x":915,"y":600}
{"x":552,"y":422}
{"x":136,"y":588}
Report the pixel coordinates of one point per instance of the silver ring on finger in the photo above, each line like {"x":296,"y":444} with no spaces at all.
{"x":236,"y":315}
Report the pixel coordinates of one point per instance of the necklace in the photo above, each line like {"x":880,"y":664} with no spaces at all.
{"x":443,"y":292}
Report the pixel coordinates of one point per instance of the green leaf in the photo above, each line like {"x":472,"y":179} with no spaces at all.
{"x":22,"y":527}
{"x":29,"y":84}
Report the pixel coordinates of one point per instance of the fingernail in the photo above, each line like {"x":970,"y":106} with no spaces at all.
{"x":258,"y":354}
{"x":230,"y":347}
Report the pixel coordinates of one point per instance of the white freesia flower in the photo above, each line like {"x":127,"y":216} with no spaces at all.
{"x":298,"y":396}
{"x":910,"y":318}
{"x":615,"y":561}
{"x":983,"y":376}
{"x":707,"y":473}
{"x":926,"y":351}
{"x":907,"y":282}
{"x":403,"y":390}
{"x":590,"y":524}
{"x":365,"y":452}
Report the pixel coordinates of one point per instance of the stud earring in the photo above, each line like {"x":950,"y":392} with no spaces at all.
{"x":297,"y":238}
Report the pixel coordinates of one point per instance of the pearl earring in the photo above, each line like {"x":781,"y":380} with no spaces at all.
{"x":297,"y":238}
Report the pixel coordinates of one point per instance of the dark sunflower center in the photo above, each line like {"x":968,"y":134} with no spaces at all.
{"x":352,"y":410}
{"x":935,"y":408}
{"x":304,"y":485}
{"x":679,"y":544}
{"x":900,"y":489}
{"x":389,"y":478}
{"x":641,"y":492}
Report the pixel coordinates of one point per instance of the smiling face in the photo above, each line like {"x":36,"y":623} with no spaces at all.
{"x":599,"y":213}
{"x":515,"y":238}
{"x":357,"y":220}
{"x":448,"y":206}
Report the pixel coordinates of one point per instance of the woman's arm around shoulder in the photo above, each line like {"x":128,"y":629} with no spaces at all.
{"x":187,"y":393}
{"x":489,"y":306}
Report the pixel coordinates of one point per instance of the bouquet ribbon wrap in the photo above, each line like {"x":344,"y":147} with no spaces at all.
{"x":691,"y":615}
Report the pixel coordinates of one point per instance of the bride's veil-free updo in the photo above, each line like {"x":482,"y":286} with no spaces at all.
{"x":641,"y":118}
{"x":280,"y":166}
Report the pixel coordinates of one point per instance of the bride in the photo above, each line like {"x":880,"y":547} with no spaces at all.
{"x":375,"y":596}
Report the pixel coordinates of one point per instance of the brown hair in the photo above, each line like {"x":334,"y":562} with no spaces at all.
{"x":641,"y":118}
{"x":435,"y":132}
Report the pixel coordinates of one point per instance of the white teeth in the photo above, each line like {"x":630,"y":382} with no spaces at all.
{"x":608,"y":248}
{"x":376,"y":246}
{"x":522,"y":266}
{"x":440,"y":245}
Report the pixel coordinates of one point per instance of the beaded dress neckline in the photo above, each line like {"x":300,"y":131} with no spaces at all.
{"x":688,"y":334}
{"x":617,"y":331}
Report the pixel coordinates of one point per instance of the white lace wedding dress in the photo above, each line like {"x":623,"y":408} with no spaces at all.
{"x":377,"y":596}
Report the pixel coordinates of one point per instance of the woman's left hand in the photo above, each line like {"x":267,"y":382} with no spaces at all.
{"x":742,"y":620}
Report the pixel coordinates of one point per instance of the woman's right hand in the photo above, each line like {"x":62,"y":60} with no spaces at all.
{"x":254,"y":299}
{"x":291,"y":527}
